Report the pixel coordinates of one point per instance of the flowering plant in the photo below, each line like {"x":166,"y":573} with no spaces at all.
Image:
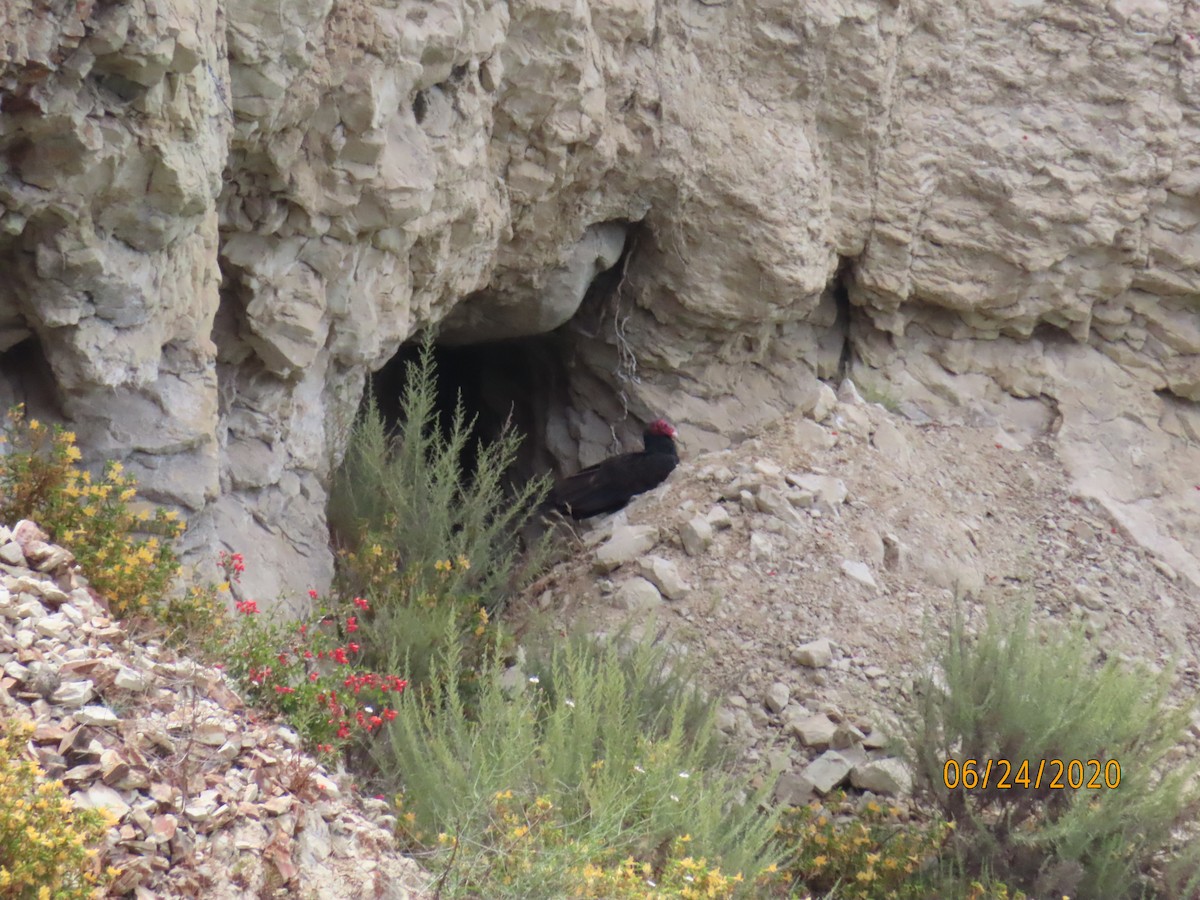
{"x":310,"y":671}
{"x":127,"y":552}
{"x":49,"y":848}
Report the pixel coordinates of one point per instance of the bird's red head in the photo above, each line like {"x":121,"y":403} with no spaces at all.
{"x":660,"y":427}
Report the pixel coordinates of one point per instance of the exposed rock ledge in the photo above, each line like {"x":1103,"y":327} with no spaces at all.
{"x":216,"y":216}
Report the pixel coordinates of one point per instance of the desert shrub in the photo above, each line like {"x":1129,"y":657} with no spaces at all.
{"x":48,"y":848}
{"x":614,"y":776}
{"x":127,"y":554}
{"x":412,"y":618}
{"x":868,"y":855}
{"x":429,"y":542}
{"x":1018,"y":692}
{"x":533,"y":857}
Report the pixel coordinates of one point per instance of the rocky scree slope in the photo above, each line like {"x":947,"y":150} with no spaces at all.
{"x":216,"y":220}
{"x":210,"y":800}
{"x":804,"y":570}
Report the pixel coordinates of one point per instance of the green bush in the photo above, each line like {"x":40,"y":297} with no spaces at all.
{"x":871,"y":854}
{"x":428,"y":542}
{"x":311,"y":672}
{"x":48,"y":848}
{"x":1017,"y":692}
{"x":619,"y":776}
{"x":127,"y":555}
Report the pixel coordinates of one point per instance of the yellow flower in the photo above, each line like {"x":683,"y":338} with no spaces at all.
{"x":44,"y":892}
{"x":819,"y":861}
{"x":35,"y":425}
{"x":73,"y":454}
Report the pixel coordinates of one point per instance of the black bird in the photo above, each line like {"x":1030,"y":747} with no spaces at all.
{"x":609,"y":485}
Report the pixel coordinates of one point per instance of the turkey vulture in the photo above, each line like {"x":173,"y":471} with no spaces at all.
{"x":609,"y":485}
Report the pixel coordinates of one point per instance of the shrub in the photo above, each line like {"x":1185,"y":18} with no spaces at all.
{"x":410,"y":490}
{"x":1015,"y":692}
{"x":869,"y":855}
{"x":450,"y":534}
{"x":533,"y":857}
{"x":311,"y":672}
{"x":39,"y":480}
{"x":47,"y":846}
{"x":617,"y":777}
{"x":409,"y":627}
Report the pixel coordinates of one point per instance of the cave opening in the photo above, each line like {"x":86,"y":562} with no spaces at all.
{"x":535,"y":384}
{"x":840,"y":288}
{"x":518,"y":383}
{"x":26,"y":377}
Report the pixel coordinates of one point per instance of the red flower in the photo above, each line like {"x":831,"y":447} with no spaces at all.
{"x":389,"y":714}
{"x":351,"y":624}
{"x":361,"y":604}
{"x":246,"y":607}
{"x":353,"y":647}
{"x":312,"y":676}
{"x":313,"y":595}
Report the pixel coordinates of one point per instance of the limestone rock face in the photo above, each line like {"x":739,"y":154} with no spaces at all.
{"x":217,"y":216}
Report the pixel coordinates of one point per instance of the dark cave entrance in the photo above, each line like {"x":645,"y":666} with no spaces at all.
{"x":26,"y":377}
{"x":839,"y":287}
{"x":519,"y":383}
{"x":535,"y":384}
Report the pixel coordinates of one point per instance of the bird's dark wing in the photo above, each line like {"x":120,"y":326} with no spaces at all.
{"x":608,"y":486}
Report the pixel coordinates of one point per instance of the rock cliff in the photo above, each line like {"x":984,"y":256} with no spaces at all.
{"x":218,"y":216}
